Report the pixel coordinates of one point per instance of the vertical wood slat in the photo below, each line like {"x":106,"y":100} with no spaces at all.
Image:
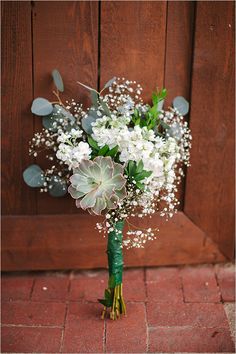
{"x":178,"y":59}
{"x":17,"y":121}
{"x":209,"y":200}
{"x":65,"y":36}
{"x":133,"y":42}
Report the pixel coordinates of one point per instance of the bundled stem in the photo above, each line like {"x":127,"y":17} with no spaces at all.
{"x":114,"y":295}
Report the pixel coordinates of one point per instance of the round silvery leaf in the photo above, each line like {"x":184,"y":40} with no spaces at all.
{"x":86,"y":123}
{"x":181,"y":105}
{"x":61,"y":111}
{"x":175,"y":131}
{"x":57,"y":187}
{"x":34,"y":176}
{"x":58,"y":80}
{"x":41,"y":107}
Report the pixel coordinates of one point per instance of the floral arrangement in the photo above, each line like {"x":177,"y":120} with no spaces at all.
{"x":120,"y":158}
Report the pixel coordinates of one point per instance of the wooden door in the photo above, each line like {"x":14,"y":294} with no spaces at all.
{"x":187,"y":47}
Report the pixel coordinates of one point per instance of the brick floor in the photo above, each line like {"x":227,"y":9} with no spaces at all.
{"x":169,"y":310}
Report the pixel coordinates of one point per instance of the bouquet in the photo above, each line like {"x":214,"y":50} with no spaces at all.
{"x":119,"y":158}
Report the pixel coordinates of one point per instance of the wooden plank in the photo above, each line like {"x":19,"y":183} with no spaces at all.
{"x":210,"y":181}
{"x":179,"y":48}
{"x":65,"y":37}
{"x":179,"y":53}
{"x":133,"y":42}
{"x":66,"y":242}
{"x":17,"y":121}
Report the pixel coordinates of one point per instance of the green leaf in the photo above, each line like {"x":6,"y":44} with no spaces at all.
{"x":142,"y":175}
{"x":58,"y":187}
{"x":131,"y":168}
{"x":103,"y":150}
{"x":107,"y":294}
{"x":110,"y":82}
{"x":181,"y":105}
{"x":93,"y":143}
{"x":34,"y":176}
{"x":103,"y":302}
{"x":139,"y":167}
{"x":113,"y":151}
{"x":140,"y":185}
{"x":41,"y":107}
{"x":58,"y":80}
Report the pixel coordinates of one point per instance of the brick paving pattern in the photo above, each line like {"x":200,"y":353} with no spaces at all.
{"x":170,"y":309}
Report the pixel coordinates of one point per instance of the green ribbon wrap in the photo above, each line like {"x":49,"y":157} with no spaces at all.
{"x":115,"y":254}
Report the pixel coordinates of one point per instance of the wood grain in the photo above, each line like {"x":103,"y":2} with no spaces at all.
{"x":133,"y":42}
{"x":69,"y":242}
{"x":209,"y":199}
{"x":178,"y":62}
{"x":65,"y":36}
{"x":17,"y":121}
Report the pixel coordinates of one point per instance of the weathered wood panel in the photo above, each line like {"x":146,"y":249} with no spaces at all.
{"x":50,"y":242}
{"x":133,"y":42}
{"x":179,"y":55}
{"x":17,"y":121}
{"x":65,"y":36}
{"x":209,"y":199}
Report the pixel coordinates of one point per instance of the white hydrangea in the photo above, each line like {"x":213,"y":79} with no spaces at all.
{"x":73,"y":155}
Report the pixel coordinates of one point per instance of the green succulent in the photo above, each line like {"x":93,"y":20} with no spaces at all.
{"x":98,"y":185}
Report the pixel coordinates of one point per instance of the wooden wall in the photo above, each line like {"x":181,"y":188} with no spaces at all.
{"x":187,"y":47}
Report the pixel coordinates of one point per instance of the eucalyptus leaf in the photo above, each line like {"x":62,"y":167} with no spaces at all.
{"x":181,"y":105}
{"x":62,"y":112}
{"x":34,"y":176}
{"x":86,"y":123}
{"x":94,"y":98}
{"x":58,"y":80}
{"x":57,"y":187}
{"x":41,"y":107}
{"x":164,"y":125}
{"x":105,"y":108}
{"x":110,"y":82}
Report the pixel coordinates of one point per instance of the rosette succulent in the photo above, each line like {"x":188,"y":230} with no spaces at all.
{"x":98,"y":185}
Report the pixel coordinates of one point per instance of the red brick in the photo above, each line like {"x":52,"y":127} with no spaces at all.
{"x":87,"y":289}
{"x":131,"y":274}
{"x":162,"y":274}
{"x":226,"y":280}
{"x":84,"y":329}
{"x":90,"y":286}
{"x":164,"y":285}
{"x":16,"y":287}
{"x":33,"y":313}
{"x":50,"y":288}
{"x":134,"y":290}
{"x":31,"y":340}
{"x":191,"y":314}
{"x":197,"y":340}
{"x":199,"y":284}
{"x":128,"y":334}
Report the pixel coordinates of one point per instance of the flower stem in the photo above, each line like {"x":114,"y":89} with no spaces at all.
{"x":114,"y":294}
